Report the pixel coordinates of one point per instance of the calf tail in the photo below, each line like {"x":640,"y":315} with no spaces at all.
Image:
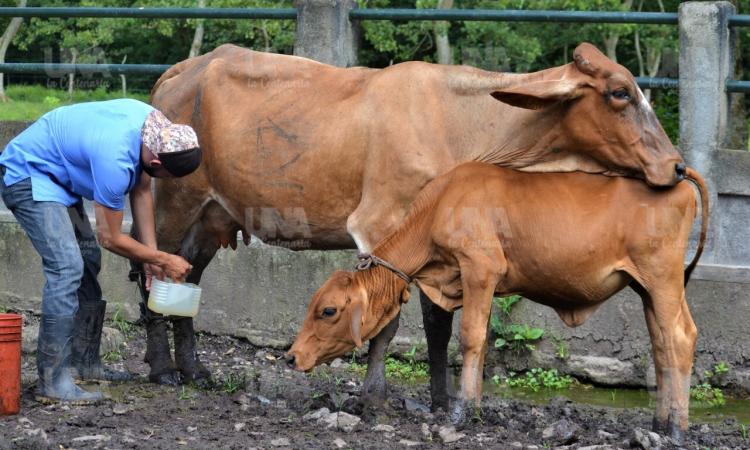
{"x":698,"y":180}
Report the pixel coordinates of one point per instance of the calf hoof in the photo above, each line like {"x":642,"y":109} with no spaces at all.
{"x":669,"y":428}
{"x":460,"y":414}
{"x":166,"y":378}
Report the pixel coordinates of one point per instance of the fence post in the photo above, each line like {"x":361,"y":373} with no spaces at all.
{"x":706,"y":61}
{"x":324,"y":32}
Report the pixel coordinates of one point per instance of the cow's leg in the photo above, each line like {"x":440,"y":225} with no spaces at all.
{"x":375,"y":388}
{"x":199,"y":247}
{"x":158,"y":355}
{"x":438,"y":325}
{"x":673,"y":336}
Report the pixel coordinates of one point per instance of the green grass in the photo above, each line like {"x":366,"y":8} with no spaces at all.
{"x":707,"y":394}
{"x":536,"y":379}
{"x":409,"y":370}
{"x":29,"y":102}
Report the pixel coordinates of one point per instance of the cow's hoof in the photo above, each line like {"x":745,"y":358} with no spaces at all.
{"x":440,"y":402}
{"x":166,"y":378}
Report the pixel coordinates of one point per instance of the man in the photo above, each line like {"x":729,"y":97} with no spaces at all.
{"x":101,"y":151}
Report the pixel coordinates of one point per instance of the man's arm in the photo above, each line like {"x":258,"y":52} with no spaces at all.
{"x":142,"y":207}
{"x":110,"y":235}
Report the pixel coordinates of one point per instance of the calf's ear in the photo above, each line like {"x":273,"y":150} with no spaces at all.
{"x":538,"y":94}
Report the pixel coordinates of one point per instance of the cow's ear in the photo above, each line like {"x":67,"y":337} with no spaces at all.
{"x":357,"y":322}
{"x":538,"y":94}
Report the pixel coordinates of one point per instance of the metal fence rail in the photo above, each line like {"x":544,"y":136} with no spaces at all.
{"x":356,"y":14}
{"x":153,"y":13}
{"x":511,"y":15}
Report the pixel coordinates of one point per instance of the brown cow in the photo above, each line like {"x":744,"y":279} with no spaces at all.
{"x":301,"y":152}
{"x":568,"y":241}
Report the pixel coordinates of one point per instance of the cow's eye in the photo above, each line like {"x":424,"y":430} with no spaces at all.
{"x":328,"y":312}
{"x":621,"y":94}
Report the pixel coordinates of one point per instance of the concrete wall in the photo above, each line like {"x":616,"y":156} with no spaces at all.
{"x":260,"y":293}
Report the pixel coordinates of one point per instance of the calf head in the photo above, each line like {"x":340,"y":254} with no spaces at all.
{"x":341,"y":315}
{"x":605,"y":117}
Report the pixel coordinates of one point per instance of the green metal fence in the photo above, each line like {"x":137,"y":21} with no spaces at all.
{"x":356,"y":14}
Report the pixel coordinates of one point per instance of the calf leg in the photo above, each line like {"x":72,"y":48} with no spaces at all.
{"x":375,"y":388}
{"x":474,"y":322}
{"x":438,"y":324}
{"x":673,"y":336}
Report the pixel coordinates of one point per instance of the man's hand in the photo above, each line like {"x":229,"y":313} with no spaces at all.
{"x":152,"y":271}
{"x":176,"y":268}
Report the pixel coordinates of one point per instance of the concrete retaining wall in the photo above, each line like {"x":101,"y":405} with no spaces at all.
{"x":261,"y":292}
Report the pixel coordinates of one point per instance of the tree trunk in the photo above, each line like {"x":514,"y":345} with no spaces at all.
{"x":5,"y":40}
{"x":442,"y":43}
{"x":195,"y":47}
{"x":610,"y":45}
{"x":72,"y":75}
{"x":611,"y":40}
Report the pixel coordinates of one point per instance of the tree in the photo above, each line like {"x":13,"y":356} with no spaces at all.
{"x":442,"y":42}
{"x":10,"y":33}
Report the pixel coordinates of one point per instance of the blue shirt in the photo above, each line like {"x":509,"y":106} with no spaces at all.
{"x":90,"y":150}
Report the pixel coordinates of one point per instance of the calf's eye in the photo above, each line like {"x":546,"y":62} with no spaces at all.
{"x":328,"y":312}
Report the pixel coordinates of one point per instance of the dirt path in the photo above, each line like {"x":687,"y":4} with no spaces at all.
{"x":257,"y":402}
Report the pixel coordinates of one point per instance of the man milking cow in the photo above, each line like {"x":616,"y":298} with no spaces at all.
{"x":100,"y":151}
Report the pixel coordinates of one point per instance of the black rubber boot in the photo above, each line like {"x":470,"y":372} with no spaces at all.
{"x":53,"y":359}
{"x":86,"y":360}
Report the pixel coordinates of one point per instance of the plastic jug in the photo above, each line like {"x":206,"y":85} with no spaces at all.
{"x":174,"y":299}
{"x":10,"y":363}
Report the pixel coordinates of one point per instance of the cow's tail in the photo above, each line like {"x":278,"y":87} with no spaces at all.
{"x":698,"y":180}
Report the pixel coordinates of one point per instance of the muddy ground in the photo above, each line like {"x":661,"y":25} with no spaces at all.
{"x":257,"y":402}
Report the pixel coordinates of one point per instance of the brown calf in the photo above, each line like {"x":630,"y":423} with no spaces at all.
{"x":569,"y":241}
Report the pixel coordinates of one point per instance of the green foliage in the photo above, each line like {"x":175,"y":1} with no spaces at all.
{"x":29,"y":102}
{"x":536,"y":379}
{"x":409,"y":370}
{"x":666,"y":105}
{"x":233,"y":383}
{"x":506,"y":303}
{"x":515,"y":337}
{"x":561,"y":349}
{"x":187,"y":393}
{"x":112,"y":356}
{"x":705,"y":393}
{"x":743,"y":431}
{"x":126,"y":328}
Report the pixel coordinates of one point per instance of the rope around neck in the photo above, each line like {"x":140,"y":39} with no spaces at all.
{"x":367,"y":261}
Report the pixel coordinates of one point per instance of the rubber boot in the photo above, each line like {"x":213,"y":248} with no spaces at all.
{"x":53,"y":359}
{"x":86,"y":360}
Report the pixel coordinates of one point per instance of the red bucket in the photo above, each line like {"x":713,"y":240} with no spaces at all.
{"x":10,"y":363}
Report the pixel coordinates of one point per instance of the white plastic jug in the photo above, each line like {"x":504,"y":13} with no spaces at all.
{"x":174,"y":299}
